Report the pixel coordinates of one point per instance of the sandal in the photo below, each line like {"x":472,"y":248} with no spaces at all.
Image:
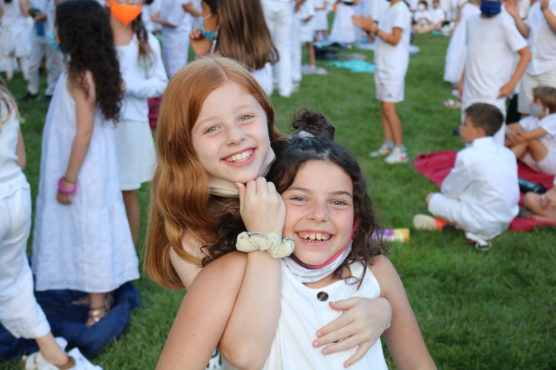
{"x":96,"y":314}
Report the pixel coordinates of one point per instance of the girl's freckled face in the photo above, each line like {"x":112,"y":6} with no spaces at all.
{"x":230,"y":136}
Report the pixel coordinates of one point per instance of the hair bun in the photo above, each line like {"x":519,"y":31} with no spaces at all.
{"x":315,"y":123}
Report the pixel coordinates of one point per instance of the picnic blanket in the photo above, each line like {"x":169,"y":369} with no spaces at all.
{"x":437,"y":165}
{"x":67,"y":320}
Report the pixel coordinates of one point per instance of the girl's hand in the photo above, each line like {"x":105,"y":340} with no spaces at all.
{"x":360,"y":325}
{"x":199,"y":44}
{"x":63,"y":197}
{"x":261,"y":207}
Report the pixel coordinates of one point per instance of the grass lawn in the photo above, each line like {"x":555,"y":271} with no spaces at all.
{"x":477,"y":310}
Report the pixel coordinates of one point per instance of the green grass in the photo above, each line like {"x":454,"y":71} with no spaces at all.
{"x":492,"y":310}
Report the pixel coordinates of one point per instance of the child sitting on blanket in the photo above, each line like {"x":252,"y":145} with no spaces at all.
{"x":481,"y":193}
{"x":543,"y":205}
{"x":533,"y":139}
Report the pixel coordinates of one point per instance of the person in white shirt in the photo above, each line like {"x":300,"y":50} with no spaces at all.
{"x":13,"y":36}
{"x":481,"y":193}
{"x":144,"y":77}
{"x":533,"y":139}
{"x":43,"y":13}
{"x":438,"y":16}
{"x":422,"y":18}
{"x":343,"y":30}
{"x":392,"y":61}
{"x":491,"y":74}
{"x":321,"y":20}
{"x":540,"y":30}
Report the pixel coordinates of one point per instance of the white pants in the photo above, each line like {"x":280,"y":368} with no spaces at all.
{"x":175,"y":49}
{"x":528,"y":83}
{"x":54,"y":63}
{"x":19,"y":310}
{"x":458,"y":213}
{"x":279,"y":17}
{"x":296,"y":49}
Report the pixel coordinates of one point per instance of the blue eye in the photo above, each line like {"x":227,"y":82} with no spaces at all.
{"x":297,"y":199}
{"x":339,"y":203}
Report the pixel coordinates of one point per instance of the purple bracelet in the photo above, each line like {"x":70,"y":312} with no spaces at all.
{"x":62,"y":190}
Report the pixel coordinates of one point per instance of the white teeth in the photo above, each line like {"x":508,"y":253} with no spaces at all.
{"x":240,"y":157}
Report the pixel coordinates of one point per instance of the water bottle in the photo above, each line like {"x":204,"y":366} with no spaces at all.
{"x":526,"y":186}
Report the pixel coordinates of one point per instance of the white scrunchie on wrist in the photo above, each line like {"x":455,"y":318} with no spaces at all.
{"x":269,"y":242}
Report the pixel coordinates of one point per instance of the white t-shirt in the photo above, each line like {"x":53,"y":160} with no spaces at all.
{"x":492,"y":44}
{"x":437,"y":16}
{"x":392,"y":61}
{"x":548,"y":123}
{"x":423,"y":17}
{"x":172,"y":12}
{"x":542,"y":40}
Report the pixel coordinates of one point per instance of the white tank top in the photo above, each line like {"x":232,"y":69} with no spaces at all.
{"x":304,"y":310}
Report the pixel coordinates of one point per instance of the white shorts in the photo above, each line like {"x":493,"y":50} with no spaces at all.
{"x":528,"y":83}
{"x":546,"y":165}
{"x":390,"y":90}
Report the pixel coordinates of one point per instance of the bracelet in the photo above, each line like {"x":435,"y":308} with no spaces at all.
{"x":61,"y":188}
{"x":270,"y":242}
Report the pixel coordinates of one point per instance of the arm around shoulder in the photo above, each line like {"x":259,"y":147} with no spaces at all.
{"x":404,"y":339}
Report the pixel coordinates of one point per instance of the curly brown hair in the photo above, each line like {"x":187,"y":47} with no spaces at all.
{"x":86,"y":37}
{"x":320,"y":146}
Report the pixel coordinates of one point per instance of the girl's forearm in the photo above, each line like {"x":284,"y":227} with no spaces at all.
{"x":252,"y":326}
{"x":78,"y":153}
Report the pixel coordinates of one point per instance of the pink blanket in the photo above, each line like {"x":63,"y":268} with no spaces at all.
{"x":436,"y":166}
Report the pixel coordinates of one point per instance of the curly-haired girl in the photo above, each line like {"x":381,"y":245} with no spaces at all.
{"x":330,"y":223}
{"x":81,"y":238}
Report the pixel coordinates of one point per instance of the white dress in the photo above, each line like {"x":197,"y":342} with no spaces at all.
{"x":303,"y":313}
{"x":134,"y":141}
{"x":343,"y":29}
{"x":457,"y":51}
{"x":13,"y":31}
{"x":86,"y":245}
{"x":321,"y":17}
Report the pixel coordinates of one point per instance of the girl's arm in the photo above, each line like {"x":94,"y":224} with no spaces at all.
{"x":85,"y":104}
{"x":20,"y":151}
{"x":189,"y":8}
{"x":404,"y":339}
{"x":203,"y":314}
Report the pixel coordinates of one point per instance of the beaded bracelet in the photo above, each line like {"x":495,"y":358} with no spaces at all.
{"x":61,"y":188}
{"x":270,"y":242}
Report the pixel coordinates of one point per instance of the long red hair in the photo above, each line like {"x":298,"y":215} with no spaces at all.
{"x":179,"y":190}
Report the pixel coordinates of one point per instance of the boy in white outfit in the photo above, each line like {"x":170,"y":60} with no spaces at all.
{"x":392,"y":61}
{"x":481,"y":193}
{"x":540,"y":30}
{"x":493,"y":42}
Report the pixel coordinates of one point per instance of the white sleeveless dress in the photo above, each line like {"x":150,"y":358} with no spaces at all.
{"x":303,"y":313}
{"x":86,"y":245}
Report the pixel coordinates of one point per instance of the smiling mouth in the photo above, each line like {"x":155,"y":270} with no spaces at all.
{"x":314,"y":236}
{"x":240,"y":157}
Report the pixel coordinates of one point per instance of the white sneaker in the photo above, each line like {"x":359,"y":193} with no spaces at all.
{"x":398,"y":155}
{"x":385,"y":149}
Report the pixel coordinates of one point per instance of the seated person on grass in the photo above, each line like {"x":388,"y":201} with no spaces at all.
{"x":533,"y":139}
{"x":481,"y":193}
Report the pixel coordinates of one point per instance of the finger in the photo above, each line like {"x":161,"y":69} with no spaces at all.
{"x":344,"y":304}
{"x":359,"y":353}
{"x":334,"y":325}
{"x":341,"y":345}
{"x":261,"y":187}
{"x":241,"y":191}
{"x":251,"y":189}
{"x":342,"y":333}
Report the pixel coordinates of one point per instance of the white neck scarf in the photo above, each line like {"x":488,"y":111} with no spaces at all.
{"x":310,"y":275}
{"x":228,"y":189}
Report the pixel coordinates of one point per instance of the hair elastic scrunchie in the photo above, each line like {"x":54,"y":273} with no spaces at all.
{"x":270,"y":242}
{"x":62,"y":190}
